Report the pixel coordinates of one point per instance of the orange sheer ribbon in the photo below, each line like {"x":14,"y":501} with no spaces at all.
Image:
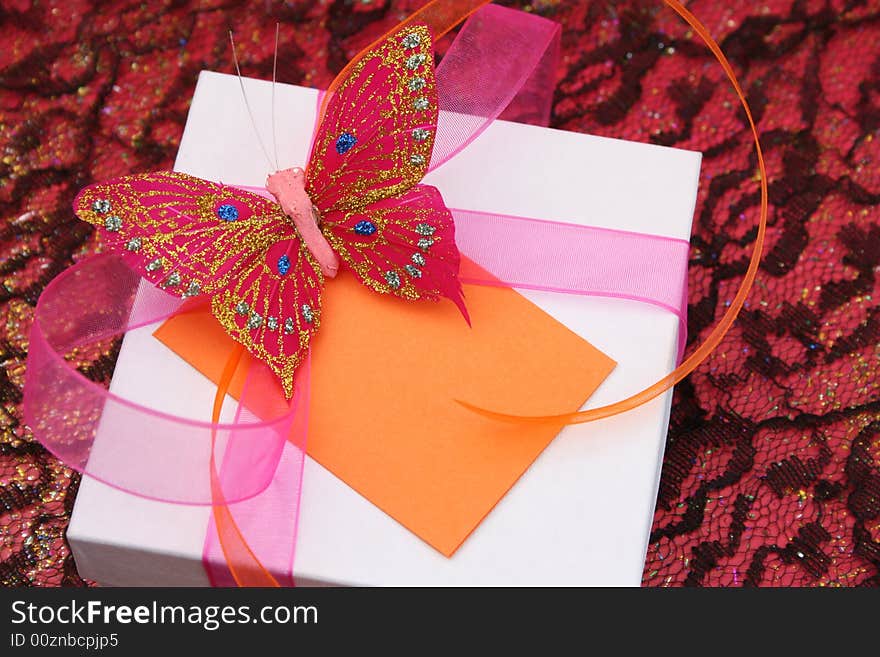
{"x":246,"y":569}
{"x":442,"y":16}
{"x":726,"y":321}
{"x":244,"y":565}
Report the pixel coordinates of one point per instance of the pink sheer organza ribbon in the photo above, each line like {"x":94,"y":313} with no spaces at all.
{"x":574,"y":259}
{"x":502,"y":64}
{"x":145,"y":451}
{"x":272,"y":542}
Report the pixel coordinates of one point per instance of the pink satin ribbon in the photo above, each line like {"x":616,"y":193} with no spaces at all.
{"x":502,"y":63}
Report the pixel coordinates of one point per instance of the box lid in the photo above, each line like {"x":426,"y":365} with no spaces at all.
{"x":581,"y":514}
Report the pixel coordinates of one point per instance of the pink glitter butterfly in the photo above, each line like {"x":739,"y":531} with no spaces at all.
{"x":358,"y":203}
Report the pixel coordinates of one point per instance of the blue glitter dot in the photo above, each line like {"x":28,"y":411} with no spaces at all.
{"x":365,"y":227}
{"x":345,"y":142}
{"x":283,"y":265}
{"x":227,"y":212}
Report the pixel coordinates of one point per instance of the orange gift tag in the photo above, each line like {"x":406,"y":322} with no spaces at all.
{"x":385,"y":377}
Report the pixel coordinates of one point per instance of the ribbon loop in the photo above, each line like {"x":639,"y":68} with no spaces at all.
{"x":80,"y":313}
{"x":503,"y":62}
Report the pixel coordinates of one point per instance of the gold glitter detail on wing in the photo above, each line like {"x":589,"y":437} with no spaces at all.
{"x":173,"y":216}
{"x":391,"y":170}
{"x":179,"y":226}
{"x":267,"y":293}
{"x":396,"y":230}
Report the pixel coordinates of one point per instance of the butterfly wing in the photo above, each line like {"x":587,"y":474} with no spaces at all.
{"x":193,"y":237}
{"x":403,"y":245}
{"x":186,"y":235}
{"x":372,"y":148}
{"x":376,"y":138}
{"x":273,"y":307}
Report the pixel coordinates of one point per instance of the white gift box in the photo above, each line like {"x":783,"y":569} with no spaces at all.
{"x":582,"y":512}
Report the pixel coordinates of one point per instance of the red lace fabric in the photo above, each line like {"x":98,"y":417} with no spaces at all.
{"x":772,"y":467}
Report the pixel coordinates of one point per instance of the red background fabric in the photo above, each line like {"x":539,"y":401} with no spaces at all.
{"x":772,"y":468}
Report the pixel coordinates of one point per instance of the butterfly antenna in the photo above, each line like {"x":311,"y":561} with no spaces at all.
{"x":274,"y":69}
{"x":246,"y":103}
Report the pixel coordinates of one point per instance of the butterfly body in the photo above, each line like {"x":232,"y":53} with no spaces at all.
{"x":358,"y":204}
{"x":289,"y":189}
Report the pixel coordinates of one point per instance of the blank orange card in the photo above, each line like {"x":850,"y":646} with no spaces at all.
{"x":385,"y":377}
